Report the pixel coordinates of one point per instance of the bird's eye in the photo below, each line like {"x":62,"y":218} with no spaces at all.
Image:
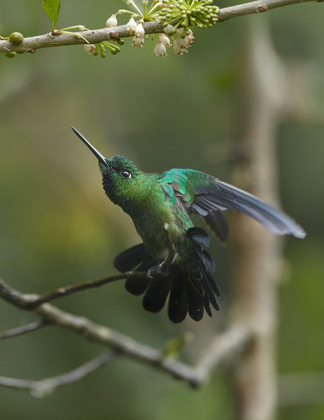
{"x":125,"y":174}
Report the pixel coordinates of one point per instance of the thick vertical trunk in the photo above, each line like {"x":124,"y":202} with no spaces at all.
{"x":258,"y":252}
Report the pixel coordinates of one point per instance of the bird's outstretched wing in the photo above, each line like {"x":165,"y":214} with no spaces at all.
{"x":208,"y":196}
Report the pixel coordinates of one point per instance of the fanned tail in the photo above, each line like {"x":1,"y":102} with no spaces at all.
{"x":189,"y":285}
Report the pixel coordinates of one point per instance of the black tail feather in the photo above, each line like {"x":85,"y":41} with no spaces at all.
{"x":146,"y":265}
{"x":195,"y":303}
{"x":131,"y":258}
{"x":207,"y":306}
{"x":177,"y":308}
{"x":157,"y":293}
{"x":137,"y":285}
{"x":179,"y":284}
{"x":207,"y":264}
{"x":206,"y":259}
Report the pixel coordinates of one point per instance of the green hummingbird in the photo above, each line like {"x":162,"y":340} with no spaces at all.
{"x":173,"y":252}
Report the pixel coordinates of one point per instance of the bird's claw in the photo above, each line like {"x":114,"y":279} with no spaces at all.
{"x":160,"y":270}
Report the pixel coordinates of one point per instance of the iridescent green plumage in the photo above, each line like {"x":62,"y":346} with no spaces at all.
{"x":173,"y":250}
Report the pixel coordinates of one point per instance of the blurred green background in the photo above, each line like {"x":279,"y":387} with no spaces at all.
{"x":58,"y":228}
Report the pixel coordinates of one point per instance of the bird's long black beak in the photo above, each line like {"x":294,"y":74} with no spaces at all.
{"x":98,"y":155}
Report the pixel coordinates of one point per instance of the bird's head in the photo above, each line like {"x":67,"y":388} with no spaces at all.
{"x":121,"y":179}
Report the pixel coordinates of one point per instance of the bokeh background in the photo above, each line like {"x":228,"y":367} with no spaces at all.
{"x":58,"y":228}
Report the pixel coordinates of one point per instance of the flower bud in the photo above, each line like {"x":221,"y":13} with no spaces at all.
{"x":165,"y":40}
{"x":138,"y":42}
{"x":111,"y":22}
{"x":131,"y":26}
{"x":89,"y":48}
{"x":139,"y":31}
{"x":10,"y":54}
{"x":182,"y":42}
{"x":160,"y":50}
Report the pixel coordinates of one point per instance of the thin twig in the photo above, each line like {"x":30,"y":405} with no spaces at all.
{"x":46,"y":386}
{"x":233,"y":342}
{"x":99,"y":35}
{"x":235,"y":337}
{"x":31,"y":301}
{"x":68,"y":290}
{"x":23,"y":330}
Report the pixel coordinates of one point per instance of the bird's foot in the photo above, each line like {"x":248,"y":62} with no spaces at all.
{"x":160,"y":270}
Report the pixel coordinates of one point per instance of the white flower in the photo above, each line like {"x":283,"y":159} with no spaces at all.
{"x":139,"y":31}
{"x":182,"y":42}
{"x":179,"y":49}
{"x":160,"y":50}
{"x":165,"y":40}
{"x":111,"y":22}
{"x":131,"y":26}
{"x":190,"y":37}
{"x":89,"y":48}
{"x":138,"y":42}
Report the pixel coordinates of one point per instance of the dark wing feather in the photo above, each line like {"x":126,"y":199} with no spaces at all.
{"x":213,"y":195}
{"x":273,"y":219}
{"x":217,"y":222}
{"x":199,"y":236}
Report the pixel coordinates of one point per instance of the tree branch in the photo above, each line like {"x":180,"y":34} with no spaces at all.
{"x":94,"y":36}
{"x":69,"y":290}
{"x":31,"y":301}
{"x":222,"y":348}
{"x":47,"y":386}
{"x":33,"y":326}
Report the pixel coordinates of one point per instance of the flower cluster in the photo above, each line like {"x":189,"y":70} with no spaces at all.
{"x":182,"y":41}
{"x":175,"y":15}
{"x":185,"y":13}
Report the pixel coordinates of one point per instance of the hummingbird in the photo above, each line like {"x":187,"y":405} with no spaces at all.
{"x":173,"y":252}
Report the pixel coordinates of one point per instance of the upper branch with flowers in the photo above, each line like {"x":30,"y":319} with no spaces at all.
{"x":173,"y":20}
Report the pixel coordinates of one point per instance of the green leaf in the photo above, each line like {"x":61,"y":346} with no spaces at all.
{"x":52,"y":8}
